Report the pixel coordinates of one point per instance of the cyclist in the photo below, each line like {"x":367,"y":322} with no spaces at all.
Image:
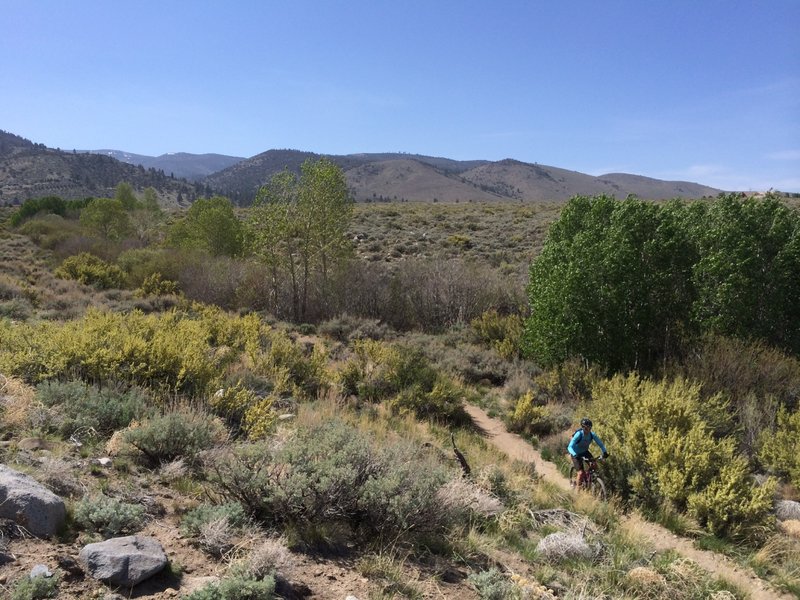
{"x":579,"y":447}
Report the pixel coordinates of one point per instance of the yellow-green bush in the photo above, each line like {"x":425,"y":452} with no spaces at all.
{"x":177,"y":351}
{"x":379,"y":372}
{"x":530,"y":418}
{"x":91,"y":270}
{"x":155,"y":285}
{"x":662,"y":437}
{"x":245,"y":410}
{"x":501,"y":332}
{"x":777,"y":447}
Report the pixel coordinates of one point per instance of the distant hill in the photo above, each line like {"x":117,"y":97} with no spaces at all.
{"x":377,"y":177}
{"x":29,"y":170}
{"x":182,"y":165}
{"x":32,"y":170}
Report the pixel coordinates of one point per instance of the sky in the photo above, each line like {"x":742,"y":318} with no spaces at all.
{"x":703,"y":90}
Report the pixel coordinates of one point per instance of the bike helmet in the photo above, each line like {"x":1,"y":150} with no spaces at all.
{"x":586,"y":422}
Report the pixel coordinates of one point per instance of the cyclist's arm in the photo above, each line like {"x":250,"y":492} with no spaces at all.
{"x":572,"y":443}
{"x":599,"y":442}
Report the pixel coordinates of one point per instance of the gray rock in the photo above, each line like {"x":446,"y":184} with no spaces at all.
{"x":786,"y":510}
{"x":40,"y":571}
{"x":29,"y":504}
{"x":124,"y":561}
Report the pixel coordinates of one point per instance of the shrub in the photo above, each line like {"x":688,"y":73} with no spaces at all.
{"x":108,"y":516}
{"x":182,"y":433}
{"x":244,"y":410}
{"x":237,"y":587}
{"x":686,"y":462}
{"x":90,"y":270}
{"x":35,"y":588}
{"x":333,"y":474}
{"x":155,"y":285}
{"x":82,"y":406}
{"x":444,"y":402}
{"x":174,"y":351}
{"x":501,"y":332}
{"x":530,"y":418}
{"x":271,"y":557}
{"x":492,"y":585}
{"x":193,"y":521}
{"x":776,"y":446}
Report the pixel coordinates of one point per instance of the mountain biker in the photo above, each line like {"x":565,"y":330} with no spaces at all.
{"x":579,"y":447}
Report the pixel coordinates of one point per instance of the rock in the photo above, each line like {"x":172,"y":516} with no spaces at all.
{"x":787,"y":509}
{"x":124,"y":561}
{"x":104,"y":462}
{"x":40,"y":571}
{"x":29,"y":504}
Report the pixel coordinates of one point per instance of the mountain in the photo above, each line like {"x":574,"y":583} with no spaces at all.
{"x":33,"y":170}
{"x":182,"y":165}
{"x":29,"y":170}
{"x":423,"y":178}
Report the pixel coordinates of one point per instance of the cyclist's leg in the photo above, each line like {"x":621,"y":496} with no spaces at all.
{"x":576,"y":470}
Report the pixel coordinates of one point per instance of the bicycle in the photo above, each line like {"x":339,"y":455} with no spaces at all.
{"x":591,"y":480}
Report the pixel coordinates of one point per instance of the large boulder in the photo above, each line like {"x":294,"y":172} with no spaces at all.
{"x":124,"y":561}
{"x":29,"y":504}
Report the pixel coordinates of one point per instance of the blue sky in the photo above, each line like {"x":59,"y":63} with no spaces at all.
{"x":702,"y":90}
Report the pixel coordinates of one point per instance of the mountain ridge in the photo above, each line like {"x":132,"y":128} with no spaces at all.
{"x":29,"y":170}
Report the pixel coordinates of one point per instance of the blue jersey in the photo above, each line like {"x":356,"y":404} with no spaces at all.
{"x":580,"y":443}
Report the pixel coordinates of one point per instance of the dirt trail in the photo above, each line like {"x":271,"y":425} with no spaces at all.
{"x":657,"y":537}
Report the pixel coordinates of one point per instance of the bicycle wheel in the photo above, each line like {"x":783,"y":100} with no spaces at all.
{"x":598,"y":488}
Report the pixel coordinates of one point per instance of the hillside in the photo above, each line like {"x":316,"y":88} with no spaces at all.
{"x":32,"y":170}
{"x":29,"y":170}
{"x":390,"y":177}
{"x":182,"y":165}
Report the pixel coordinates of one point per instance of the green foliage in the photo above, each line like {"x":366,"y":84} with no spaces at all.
{"x":150,"y":200}
{"x":236,"y":587}
{"x":35,"y":588}
{"x":663,"y":436}
{"x":245,"y":410}
{"x":174,"y":351}
{"x":492,"y":585}
{"x":106,"y":218}
{"x":210,"y":225}
{"x":91,"y":270}
{"x":33,"y":206}
{"x":501,"y":332}
{"x":155,"y":285}
{"x":777,"y":446}
{"x":108,"y":516}
{"x":297,"y":226}
{"x":611,"y":284}
{"x":124,"y":193}
{"x":334,"y":474}
{"x":748,"y":274}
{"x":178,"y":434}
{"x":530,"y":418}
{"x":757,"y":378}
{"x":82,"y":406}
{"x":622,"y":283}
{"x":194,"y":520}
{"x":380,"y":371}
